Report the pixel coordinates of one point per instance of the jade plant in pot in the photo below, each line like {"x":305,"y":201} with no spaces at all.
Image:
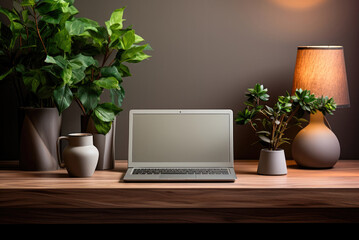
{"x":85,"y":79}
{"x":34,"y":31}
{"x":270,"y":124}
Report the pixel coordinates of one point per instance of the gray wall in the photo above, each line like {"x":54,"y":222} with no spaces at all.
{"x":208,"y":52}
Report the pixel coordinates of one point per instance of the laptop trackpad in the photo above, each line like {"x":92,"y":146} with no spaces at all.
{"x":177,"y":176}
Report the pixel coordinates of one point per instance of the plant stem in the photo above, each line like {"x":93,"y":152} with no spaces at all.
{"x":292,"y":114}
{"x":327,"y":122}
{"x":255,"y":130}
{"x":271,"y":147}
{"x":104,"y":58}
{"x":280,"y":132}
{"x":107,"y":53}
{"x":80,"y":105}
{"x":113,"y":60}
{"x":38,"y":30}
{"x":262,"y":112}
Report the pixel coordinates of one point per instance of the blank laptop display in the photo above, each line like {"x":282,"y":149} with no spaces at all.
{"x":181,"y":145}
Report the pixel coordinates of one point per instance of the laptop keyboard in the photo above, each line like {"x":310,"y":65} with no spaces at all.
{"x":223,"y":171}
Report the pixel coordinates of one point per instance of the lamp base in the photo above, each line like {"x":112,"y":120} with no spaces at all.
{"x":316,"y":146}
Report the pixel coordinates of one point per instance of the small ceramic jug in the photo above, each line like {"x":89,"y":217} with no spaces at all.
{"x":80,"y":156}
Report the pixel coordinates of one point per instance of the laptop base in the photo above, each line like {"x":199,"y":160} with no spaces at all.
{"x":129,"y":177}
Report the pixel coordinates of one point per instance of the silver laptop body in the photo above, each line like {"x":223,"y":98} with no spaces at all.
{"x":180,"y":145}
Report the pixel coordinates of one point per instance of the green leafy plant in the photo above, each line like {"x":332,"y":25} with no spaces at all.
{"x":84,"y":79}
{"x":35,"y":30}
{"x":271,"y":123}
{"x":53,"y":54}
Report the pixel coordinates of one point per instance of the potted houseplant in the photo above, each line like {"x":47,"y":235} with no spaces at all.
{"x":35,"y":30}
{"x":270,"y":124}
{"x":84,"y":79}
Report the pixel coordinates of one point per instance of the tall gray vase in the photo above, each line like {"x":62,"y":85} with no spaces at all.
{"x":40,"y":130}
{"x":104,"y":143}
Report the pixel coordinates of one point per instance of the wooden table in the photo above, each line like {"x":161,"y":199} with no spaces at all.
{"x":302,"y":195}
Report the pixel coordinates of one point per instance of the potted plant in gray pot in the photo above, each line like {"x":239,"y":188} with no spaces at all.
{"x":86,"y":79}
{"x":270,"y":124}
{"x":35,"y":30}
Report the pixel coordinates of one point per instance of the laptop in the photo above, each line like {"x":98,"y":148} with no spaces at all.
{"x":180,"y":145}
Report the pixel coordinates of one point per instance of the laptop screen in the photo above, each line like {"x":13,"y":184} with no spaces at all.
{"x":181,"y":136}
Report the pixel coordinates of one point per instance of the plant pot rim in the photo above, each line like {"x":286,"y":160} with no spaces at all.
{"x":36,"y":108}
{"x":277,"y":150}
{"x":75,"y":134}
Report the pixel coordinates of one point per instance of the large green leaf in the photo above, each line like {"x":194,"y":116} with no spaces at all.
{"x":9,"y":14}
{"x":46,"y":6}
{"x":55,"y":11}
{"x":77,"y":75}
{"x":116,"y":20}
{"x":79,"y":26}
{"x":25,"y":3}
{"x":133,"y":53}
{"x":15,"y":25}
{"x":124,"y":70}
{"x":63,"y":97}
{"x":111,"y":71}
{"x":107,"y":82}
{"x":107,"y":111}
{"x":53,"y":69}
{"x":89,"y":95}
{"x":102,"y":127}
{"x":138,"y":39}
{"x":117,"y":96}
{"x":66,"y":75}
{"x":58,"y":60}
{"x":63,"y":40}
{"x":82,"y":61}
{"x":25,"y":15}
{"x":128,"y":39}
{"x":73,"y":70}
{"x":53,"y":17}
{"x":138,"y":57}
{"x":99,"y":36}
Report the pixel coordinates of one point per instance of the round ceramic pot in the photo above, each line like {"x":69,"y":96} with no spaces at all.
{"x":316,"y":146}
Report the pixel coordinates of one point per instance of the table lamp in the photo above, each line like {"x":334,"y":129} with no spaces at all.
{"x":320,"y":69}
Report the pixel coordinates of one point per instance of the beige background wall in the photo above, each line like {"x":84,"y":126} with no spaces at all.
{"x":208,"y":52}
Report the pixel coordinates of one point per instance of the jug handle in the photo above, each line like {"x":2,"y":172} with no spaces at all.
{"x":61,"y":164}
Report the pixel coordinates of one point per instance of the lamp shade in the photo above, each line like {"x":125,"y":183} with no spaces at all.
{"x":321,"y":69}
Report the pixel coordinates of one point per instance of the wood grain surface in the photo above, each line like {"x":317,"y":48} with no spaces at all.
{"x":301,"y":195}
{"x":345,"y":174}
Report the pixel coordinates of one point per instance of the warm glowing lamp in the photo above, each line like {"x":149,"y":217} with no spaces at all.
{"x":320,"y":69}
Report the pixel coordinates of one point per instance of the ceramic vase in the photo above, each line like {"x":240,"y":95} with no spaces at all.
{"x":80,"y":156}
{"x":272,"y":162}
{"x":316,"y":146}
{"x":40,"y":130}
{"x":105,"y":143}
